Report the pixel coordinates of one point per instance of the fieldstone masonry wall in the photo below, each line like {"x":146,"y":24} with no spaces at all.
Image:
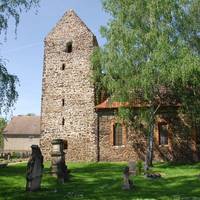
{"x":68,"y":106}
{"x":66,"y":76}
{"x":134,"y":142}
{"x":180,"y":146}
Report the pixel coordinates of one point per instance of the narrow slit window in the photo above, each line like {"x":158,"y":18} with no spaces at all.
{"x":117,"y":134}
{"x":63,"y":121}
{"x":63,"y":102}
{"x":68,"y":47}
{"x":63,"y":66}
{"x":163,"y":133}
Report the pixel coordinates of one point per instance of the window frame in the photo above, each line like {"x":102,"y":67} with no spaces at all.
{"x":160,"y":124}
{"x":117,"y":134}
{"x":124,"y":135}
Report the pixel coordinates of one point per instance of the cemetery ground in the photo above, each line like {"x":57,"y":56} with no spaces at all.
{"x":99,"y":181}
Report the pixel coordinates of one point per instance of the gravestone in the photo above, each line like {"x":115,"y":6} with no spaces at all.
{"x":8,"y":156}
{"x":34,"y":169}
{"x":58,"y":166}
{"x":127,"y":184}
{"x":132,"y":167}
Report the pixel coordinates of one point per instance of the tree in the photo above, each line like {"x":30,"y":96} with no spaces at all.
{"x":2,"y":126}
{"x":10,"y":9}
{"x":151,"y":55}
{"x":31,"y":114}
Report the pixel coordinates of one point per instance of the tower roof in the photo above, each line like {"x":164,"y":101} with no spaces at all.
{"x":70,"y":23}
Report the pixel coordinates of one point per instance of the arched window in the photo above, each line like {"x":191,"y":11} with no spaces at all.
{"x":163,"y":133}
{"x":117,"y":134}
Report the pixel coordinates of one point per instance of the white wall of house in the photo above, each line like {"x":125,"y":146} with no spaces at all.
{"x":20,"y":143}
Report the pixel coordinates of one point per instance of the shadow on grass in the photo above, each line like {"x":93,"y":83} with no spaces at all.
{"x":171,"y":165}
{"x":99,"y":181}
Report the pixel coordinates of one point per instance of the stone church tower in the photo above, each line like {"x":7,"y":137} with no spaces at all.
{"x":68,"y":109}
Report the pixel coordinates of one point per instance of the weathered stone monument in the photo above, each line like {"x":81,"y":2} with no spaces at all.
{"x":127,"y":183}
{"x":34,"y":169}
{"x":132,"y":167}
{"x":8,"y":156}
{"x":58,"y":166}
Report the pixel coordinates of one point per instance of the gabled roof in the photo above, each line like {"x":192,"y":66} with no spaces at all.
{"x":23,"y":125}
{"x":66,"y":24}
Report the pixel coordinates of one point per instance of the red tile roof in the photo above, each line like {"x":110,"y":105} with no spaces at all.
{"x":107,"y":104}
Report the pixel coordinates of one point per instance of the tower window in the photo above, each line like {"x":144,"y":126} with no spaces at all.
{"x":63,"y":121}
{"x":163,"y":134}
{"x":117,"y":134}
{"x":63,"y":102}
{"x":63,"y":66}
{"x":68,"y":47}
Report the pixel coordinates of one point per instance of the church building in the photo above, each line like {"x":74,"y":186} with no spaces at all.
{"x":92,"y":131}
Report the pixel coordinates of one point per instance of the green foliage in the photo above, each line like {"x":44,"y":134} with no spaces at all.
{"x":151,"y":55}
{"x":8,"y":91}
{"x":103,"y":181}
{"x":2,"y":126}
{"x":10,"y":9}
{"x":148,"y":49}
{"x":16,"y":155}
{"x":31,"y":114}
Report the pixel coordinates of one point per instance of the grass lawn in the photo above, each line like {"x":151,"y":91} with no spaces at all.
{"x":99,"y":181}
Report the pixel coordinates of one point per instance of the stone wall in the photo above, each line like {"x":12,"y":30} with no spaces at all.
{"x":181,"y":146}
{"x":68,"y":93}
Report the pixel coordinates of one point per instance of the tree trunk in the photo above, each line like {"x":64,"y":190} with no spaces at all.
{"x":150,"y":140}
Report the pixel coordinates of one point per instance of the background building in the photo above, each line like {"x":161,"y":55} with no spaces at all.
{"x":21,"y":132}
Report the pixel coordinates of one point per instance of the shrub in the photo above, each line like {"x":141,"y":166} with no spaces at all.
{"x":16,"y":155}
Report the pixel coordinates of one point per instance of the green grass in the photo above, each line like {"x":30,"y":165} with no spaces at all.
{"x":99,"y":181}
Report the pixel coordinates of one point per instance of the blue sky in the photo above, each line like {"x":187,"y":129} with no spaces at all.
{"x":24,"y":54}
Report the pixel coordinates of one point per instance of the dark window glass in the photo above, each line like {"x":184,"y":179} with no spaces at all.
{"x":117,"y":131}
{"x":163,"y":134}
{"x":68,"y":47}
